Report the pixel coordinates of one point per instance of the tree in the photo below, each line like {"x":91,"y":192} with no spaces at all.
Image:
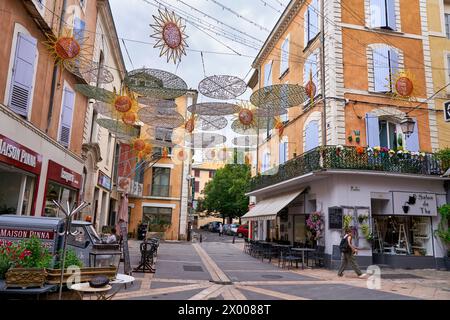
{"x":225,"y":193}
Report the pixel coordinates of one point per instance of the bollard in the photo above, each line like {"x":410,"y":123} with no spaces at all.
{"x":234,"y":238}
{"x":201,"y":238}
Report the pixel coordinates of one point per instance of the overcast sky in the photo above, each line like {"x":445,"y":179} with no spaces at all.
{"x":133,"y":19}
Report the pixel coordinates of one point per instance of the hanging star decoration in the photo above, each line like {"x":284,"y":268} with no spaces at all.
{"x":403,"y":86}
{"x":170,"y":33}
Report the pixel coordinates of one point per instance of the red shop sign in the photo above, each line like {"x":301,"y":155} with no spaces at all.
{"x":62,"y":175}
{"x":21,"y":157}
{"x":6,"y":233}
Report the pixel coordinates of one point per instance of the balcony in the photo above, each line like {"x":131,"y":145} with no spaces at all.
{"x":351,"y":158}
{"x":162,"y":191}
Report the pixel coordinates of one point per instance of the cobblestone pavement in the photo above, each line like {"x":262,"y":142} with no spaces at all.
{"x":214,"y":270}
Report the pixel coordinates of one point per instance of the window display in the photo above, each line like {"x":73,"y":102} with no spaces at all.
{"x":60,"y":194}
{"x":16,"y":191}
{"x":397,"y":235}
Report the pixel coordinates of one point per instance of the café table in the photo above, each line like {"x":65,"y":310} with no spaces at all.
{"x":121,"y":279}
{"x":102,"y":293}
{"x":85,"y":287}
{"x":303,"y":250}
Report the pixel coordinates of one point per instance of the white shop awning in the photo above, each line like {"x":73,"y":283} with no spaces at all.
{"x":268,"y":209}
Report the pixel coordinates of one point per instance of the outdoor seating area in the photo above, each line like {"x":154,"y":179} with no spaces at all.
{"x":286,"y":254}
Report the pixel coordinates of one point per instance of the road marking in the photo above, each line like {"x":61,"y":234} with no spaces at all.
{"x":271,"y":293}
{"x":211,"y":292}
{"x":154,"y":292}
{"x":216,"y":273}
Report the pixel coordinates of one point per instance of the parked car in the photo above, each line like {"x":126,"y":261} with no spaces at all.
{"x":242,"y":231}
{"x":232,"y":231}
{"x":205,"y":227}
{"x":226,"y":228}
{"x":214,"y":226}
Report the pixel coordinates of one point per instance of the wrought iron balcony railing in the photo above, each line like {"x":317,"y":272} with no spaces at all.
{"x":351,"y":158}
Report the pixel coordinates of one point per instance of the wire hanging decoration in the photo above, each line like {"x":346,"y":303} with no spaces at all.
{"x":204,"y":140}
{"x":214,"y":109}
{"x":222,"y":87}
{"x":212,"y":123}
{"x":93,"y":72}
{"x":279,"y":96}
{"x":245,"y":141}
{"x":270,"y":112}
{"x":170,"y":35}
{"x":260,"y":124}
{"x":119,"y":128}
{"x":156,"y":83}
{"x":157,"y":103}
{"x":166,"y":118}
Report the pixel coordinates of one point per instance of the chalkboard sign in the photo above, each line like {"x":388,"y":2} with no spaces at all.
{"x":125,"y":250}
{"x":335,"y":218}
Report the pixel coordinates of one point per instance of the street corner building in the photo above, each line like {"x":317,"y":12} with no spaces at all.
{"x":51,"y":147}
{"x":362,"y":147}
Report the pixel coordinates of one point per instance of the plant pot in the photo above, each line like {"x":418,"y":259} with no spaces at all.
{"x":86,"y":274}
{"x":25,"y":278}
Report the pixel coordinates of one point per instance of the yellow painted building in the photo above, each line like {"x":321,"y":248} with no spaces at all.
{"x":439,"y":32}
{"x":203,"y":173}
{"x":164,"y":193}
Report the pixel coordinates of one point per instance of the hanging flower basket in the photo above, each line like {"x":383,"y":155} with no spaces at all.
{"x":25,"y":278}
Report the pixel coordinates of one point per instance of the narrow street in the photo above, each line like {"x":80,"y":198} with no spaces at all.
{"x":217,"y":269}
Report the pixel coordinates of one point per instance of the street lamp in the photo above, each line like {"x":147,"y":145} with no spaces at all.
{"x":408,"y":125}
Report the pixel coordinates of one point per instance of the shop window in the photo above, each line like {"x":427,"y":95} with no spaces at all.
{"x":382,"y":14}
{"x":157,"y":219}
{"x":22,"y":79}
{"x":60,"y":194}
{"x":399,"y":235}
{"x":161,"y":182}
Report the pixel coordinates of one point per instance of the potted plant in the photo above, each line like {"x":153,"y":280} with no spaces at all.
{"x":363,"y":218}
{"x":443,"y":231}
{"x":29,"y":260}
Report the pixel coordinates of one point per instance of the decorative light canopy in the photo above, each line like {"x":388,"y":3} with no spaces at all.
{"x":214,"y":109}
{"x":156,"y":83}
{"x":204,"y":140}
{"x":95,"y":93}
{"x":166,"y":118}
{"x":170,"y":35}
{"x":157,"y":103}
{"x":245,"y":141}
{"x":93,"y":72}
{"x":222,"y":87}
{"x":260,"y":124}
{"x":212,"y":123}
{"x":279,"y":96}
{"x":117,"y":127}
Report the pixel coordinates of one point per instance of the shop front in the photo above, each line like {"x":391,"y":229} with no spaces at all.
{"x":63,"y":185}
{"x":20,"y":169}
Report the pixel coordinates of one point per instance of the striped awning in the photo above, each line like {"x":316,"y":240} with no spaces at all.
{"x":268,"y":209}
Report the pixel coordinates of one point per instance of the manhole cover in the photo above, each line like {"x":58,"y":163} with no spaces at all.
{"x":271,"y":276}
{"x":400,"y":276}
{"x":193,"y":268}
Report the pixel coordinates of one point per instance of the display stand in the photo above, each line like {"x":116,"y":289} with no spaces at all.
{"x":402,"y":239}
{"x":377,"y":239}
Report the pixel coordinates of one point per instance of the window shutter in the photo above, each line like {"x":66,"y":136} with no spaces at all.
{"x":390,"y":8}
{"x":268,"y":74}
{"x":284,"y":65}
{"x":313,"y":19}
{"x":307,"y":69}
{"x":447,"y":25}
{"x":312,"y":136}
{"x":412,"y":142}
{"x":377,"y":13}
{"x":23,"y":73}
{"x":66,"y":117}
{"x":306,"y":28}
{"x":372,"y":130}
{"x":394,"y":65}
{"x":78,"y":29}
{"x":381,"y":68}
{"x":282,"y":149}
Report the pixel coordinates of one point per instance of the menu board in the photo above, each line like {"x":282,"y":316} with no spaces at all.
{"x":335,"y":218}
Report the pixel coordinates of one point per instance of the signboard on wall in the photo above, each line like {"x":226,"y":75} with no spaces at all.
{"x":335,"y":218}
{"x":63,"y":175}
{"x":104,"y":181}
{"x":19,"y":156}
{"x":447,"y":111}
{"x":415,"y":204}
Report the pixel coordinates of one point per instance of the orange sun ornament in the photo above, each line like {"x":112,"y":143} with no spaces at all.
{"x":129,"y":118}
{"x":279,"y":127}
{"x":190,"y":125}
{"x":170,"y":33}
{"x":404,"y":86}
{"x":138,"y":145}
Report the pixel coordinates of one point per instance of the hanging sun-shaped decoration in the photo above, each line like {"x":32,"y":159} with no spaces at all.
{"x":138,"y":144}
{"x":165,"y":153}
{"x":279,"y":128}
{"x":403,"y":85}
{"x":311,"y":88}
{"x":146,"y":152}
{"x":170,"y":33}
{"x":69,"y":50}
{"x":190,"y":124}
{"x":129,"y":118}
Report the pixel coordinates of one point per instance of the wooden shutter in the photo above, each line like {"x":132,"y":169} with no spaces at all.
{"x":312,"y":136}
{"x":313,"y":19}
{"x":66,"y":117}
{"x":282,"y":152}
{"x":372,"y":130}
{"x":377,"y":13}
{"x":381,"y":69}
{"x":268,"y":74}
{"x":78,"y":29}
{"x":412,"y":142}
{"x":394,"y":65}
{"x":23,"y":73}
{"x":391,"y":16}
{"x":306,"y":28}
{"x":284,"y":65}
{"x":197,"y":186}
{"x":447,"y":25}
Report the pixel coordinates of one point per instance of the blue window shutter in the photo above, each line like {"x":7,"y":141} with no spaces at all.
{"x":281,"y":153}
{"x":394,"y":65}
{"x":66,"y":117}
{"x":313,"y":19}
{"x":78,"y":29}
{"x":390,"y":8}
{"x":313,"y":61}
{"x":381,"y":69}
{"x":306,"y":28}
{"x":412,"y":142}
{"x":312,"y":136}
{"x":372,"y":130}
{"x":268,"y":74}
{"x":284,"y":65}
{"x":23,"y":73}
{"x":377,"y":13}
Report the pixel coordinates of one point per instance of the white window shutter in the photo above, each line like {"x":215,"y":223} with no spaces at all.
{"x":312,"y":136}
{"x":268,"y":74}
{"x":381,"y":69}
{"x":282,"y":152}
{"x":306,"y":28}
{"x":23,"y":73}
{"x":412,"y":142}
{"x":391,"y":16}
{"x":372,"y":130}
{"x":78,"y":29}
{"x":314,"y":18}
{"x":66,"y":117}
{"x":284,"y":65}
{"x":377,"y":13}
{"x":394,"y":65}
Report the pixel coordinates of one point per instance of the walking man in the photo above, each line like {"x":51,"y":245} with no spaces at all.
{"x":220,"y":229}
{"x":348,"y":254}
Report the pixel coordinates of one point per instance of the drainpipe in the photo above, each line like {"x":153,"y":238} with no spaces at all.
{"x":322,"y":72}
{"x":55,"y":71}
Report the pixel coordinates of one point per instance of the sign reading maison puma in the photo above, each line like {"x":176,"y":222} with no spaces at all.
{"x":19,"y":156}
